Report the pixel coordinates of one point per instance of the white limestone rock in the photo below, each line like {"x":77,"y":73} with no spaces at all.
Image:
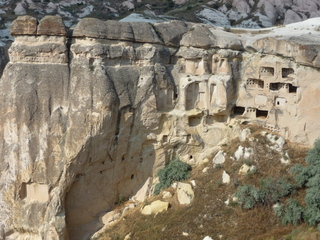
{"x":285,"y":158}
{"x":244,"y":134}
{"x":225,"y":177}
{"x":185,"y":193}
{"x":205,"y":170}
{"x":193,"y":183}
{"x":276,"y":141}
{"x":128,"y":236}
{"x":110,"y":217}
{"x":243,"y":152}
{"x":166,"y":195}
{"x":155,"y":207}
{"x":245,"y":169}
{"x":219,"y":158}
{"x":208,"y":238}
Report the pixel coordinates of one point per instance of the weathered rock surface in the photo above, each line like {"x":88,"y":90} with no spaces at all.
{"x":84,"y":124}
{"x":52,"y":26}
{"x":24,"y":25}
{"x":155,"y":207}
{"x":185,"y":193}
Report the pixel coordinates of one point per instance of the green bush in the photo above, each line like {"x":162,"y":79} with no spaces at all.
{"x":302,"y":174}
{"x":270,"y":191}
{"x":292,"y":213}
{"x":312,"y":210}
{"x":248,"y":196}
{"x":174,"y":171}
{"x":274,"y":189}
{"x":309,"y":176}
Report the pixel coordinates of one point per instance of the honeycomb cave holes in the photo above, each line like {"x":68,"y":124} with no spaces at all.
{"x":267,"y":71}
{"x":255,"y":83}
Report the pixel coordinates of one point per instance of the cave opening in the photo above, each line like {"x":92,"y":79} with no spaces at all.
{"x":261,"y":113}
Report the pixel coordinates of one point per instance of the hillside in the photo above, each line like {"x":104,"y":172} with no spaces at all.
{"x":215,"y":211}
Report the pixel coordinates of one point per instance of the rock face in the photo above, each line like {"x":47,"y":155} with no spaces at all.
{"x":87,"y":119}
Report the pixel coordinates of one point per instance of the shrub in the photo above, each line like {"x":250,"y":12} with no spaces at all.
{"x":302,"y":174}
{"x":248,"y":196}
{"x":274,"y":189}
{"x":312,"y":211}
{"x":270,"y":191}
{"x":292,"y":213}
{"x":309,"y":176}
{"x":174,"y":171}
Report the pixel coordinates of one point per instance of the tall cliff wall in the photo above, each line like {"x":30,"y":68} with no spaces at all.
{"x":89,"y":115}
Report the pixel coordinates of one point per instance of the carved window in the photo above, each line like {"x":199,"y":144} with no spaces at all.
{"x":286,"y":72}
{"x":195,"y":96}
{"x":255,"y":83}
{"x":165,"y":138}
{"x":276,"y":86}
{"x":280,"y":102}
{"x":267,"y":71}
{"x":292,"y":89}
{"x":237,"y":110}
{"x":261,"y":113}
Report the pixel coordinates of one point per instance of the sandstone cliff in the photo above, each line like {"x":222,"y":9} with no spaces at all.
{"x":89,"y":115}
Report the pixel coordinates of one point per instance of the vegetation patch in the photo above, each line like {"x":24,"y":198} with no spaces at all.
{"x":174,"y":171}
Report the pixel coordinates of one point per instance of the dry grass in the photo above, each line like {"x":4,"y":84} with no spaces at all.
{"x":208,"y":215}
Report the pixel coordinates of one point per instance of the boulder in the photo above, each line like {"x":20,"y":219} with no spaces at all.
{"x":199,"y":36}
{"x":244,"y":134}
{"x":291,"y":17}
{"x":245,"y":169}
{"x":157,"y":206}
{"x":243,"y":152}
{"x":208,"y":238}
{"x":171,"y":32}
{"x":205,"y":170}
{"x":110,"y":217}
{"x":51,"y":26}
{"x":219,"y":158}
{"x":277,"y":142}
{"x":166,"y":195}
{"x":225,"y":177}
{"x":144,"y":32}
{"x":185,"y":193}
{"x":24,"y":25}
{"x":20,"y":9}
